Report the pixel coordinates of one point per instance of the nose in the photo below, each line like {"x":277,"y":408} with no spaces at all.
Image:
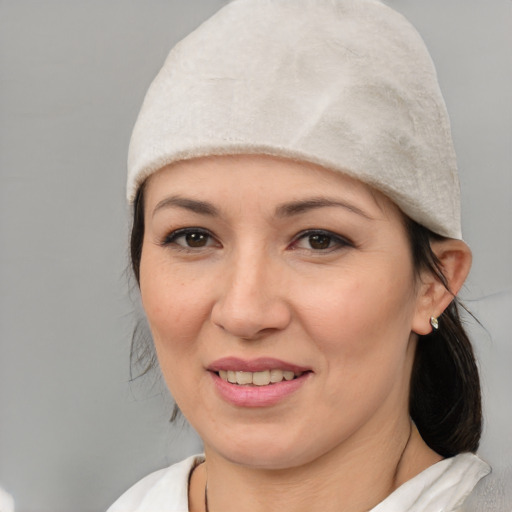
{"x":252,"y":299}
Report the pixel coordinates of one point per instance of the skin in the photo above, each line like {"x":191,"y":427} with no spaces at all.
{"x":257,"y":284}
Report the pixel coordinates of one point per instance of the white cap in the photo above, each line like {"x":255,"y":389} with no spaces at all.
{"x":345,"y":84}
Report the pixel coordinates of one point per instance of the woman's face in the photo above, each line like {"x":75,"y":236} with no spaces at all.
{"x":258,"y":270}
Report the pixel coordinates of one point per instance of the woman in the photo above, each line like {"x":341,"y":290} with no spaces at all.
{"x":298,"y":249}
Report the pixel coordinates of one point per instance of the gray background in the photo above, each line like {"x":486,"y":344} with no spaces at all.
{"x":74,"y":433}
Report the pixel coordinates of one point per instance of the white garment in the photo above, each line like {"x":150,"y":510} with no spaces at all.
{"x":6,"y":501}
{"x":440,"y":488}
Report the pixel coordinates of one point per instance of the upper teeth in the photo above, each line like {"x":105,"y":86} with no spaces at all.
{"x":256,"y":378}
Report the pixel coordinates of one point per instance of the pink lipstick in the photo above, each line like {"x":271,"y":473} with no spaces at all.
{"x":260,"y":382}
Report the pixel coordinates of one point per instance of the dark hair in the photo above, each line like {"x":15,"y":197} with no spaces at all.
{"x":445,"y":399}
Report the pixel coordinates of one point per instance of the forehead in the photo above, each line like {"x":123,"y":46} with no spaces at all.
{"x":258,"y":178}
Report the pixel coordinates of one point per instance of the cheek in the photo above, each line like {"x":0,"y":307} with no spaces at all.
{"x":176,"y":306}
{"x":362,"y":324}
{"x":363,"y":334}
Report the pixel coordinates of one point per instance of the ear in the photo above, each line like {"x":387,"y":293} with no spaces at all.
{"x":433,"y":297}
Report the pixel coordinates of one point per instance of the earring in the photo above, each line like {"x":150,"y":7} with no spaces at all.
{"x":434,"y":323}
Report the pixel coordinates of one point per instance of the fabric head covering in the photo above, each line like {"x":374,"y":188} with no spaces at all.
{"x":345,"y":84}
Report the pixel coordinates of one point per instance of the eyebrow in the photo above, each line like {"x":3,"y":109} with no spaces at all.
{"x":305,"y":205}
{"x":201,"y":207}
{"x":284,"y":210}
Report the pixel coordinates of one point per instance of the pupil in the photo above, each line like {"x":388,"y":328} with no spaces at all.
{"x":319,"y":241}
{"x":196,"y":239}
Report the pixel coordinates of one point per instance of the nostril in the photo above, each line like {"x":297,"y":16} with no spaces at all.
{"x":252,"y":322}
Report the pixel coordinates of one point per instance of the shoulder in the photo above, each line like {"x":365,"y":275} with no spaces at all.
{"x":166,"y":489}
{"x":493,"y":493}
{"x":443,"y":486}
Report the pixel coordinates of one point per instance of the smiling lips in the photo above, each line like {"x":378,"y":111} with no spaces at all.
{"x":256,"y":383}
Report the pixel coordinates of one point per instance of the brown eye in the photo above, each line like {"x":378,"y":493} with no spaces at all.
{"x":319,"y":241}
{"x":197,"y":239}
{"x":190,"y":238}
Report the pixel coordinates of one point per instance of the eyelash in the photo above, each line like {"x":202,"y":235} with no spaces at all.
{"x":334,"y":241}
{"x":171,"y":238}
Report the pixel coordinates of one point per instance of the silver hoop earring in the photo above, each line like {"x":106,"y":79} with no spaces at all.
{"x":434,"y":323}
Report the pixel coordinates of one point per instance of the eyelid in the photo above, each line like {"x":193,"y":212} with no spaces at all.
{"x":339,"y":240}
{"x":170,"y":238}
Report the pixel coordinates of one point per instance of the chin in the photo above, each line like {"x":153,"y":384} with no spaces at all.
{"x":263,"y":448}
{"x":265,"y":459}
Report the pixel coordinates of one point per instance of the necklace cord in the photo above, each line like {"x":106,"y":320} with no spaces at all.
{"x":206,"y":490}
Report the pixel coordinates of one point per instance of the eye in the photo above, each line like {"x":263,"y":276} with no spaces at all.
{"x":320,"y":240}
{"x":191,"y":238}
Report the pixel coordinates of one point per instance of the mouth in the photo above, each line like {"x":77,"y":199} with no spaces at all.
{"x":259,"y":378}
{"x":260,"y":382}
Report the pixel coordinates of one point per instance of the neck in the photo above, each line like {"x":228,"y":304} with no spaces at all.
{"x":352,"y":478}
